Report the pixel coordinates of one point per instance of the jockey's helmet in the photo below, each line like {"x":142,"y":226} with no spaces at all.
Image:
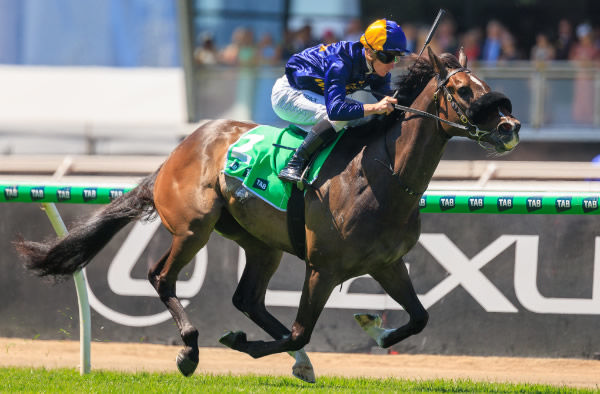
{"x":386,"y":39}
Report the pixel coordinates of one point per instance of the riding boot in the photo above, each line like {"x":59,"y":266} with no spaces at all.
{"x":319,"y":136}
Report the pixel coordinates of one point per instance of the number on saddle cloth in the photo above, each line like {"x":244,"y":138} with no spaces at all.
{"x":258,"y":155}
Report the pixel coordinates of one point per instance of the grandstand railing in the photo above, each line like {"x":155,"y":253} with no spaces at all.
{"x":543,"y":94}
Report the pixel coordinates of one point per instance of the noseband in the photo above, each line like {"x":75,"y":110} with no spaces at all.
{"x":477,"y":110}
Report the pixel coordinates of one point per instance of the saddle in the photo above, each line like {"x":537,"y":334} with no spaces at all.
{"x":259,"y":155}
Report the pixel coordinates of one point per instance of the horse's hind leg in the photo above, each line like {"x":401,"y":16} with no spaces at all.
{"x":395,"y":281}
{"x":261,"y":263}
{"x":163,"y":276}
{"x":315,"y":292}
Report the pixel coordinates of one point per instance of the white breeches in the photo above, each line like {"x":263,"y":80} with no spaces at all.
{"x":302,"y":107}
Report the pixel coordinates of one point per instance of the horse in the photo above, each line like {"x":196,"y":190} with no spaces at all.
{"x":361,"y":214}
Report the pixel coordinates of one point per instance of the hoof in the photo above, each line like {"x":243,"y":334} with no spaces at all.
{"x":233,"y":339}
{"x":304,"y":371}
{"x":186,"y":362}
{"x":367,"y":320}
{"x":372,"y":326}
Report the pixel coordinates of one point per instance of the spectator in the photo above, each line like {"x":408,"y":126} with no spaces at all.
{"x":328,"y":37}
{"x":422,"y":36}
{"x":287,"y":45}
{"x":542,"y":51}
{"x":596,"y":33}
{"x":241,"y":50}
{"x":471,"y":42}
{"x":410,"y":31}
{"x":247,"y":54}
{"x":304,"y":39}
{"x":267,"y":52}
{"x":206,"y":53}
{"x":584,"y":53}
{"x":492,"y":45}
{"x":508,"y":47}
{"x":445,"y":38}
{"x":353,"y":30}
{"x":565,"y":40}
{"x":229,"y":55}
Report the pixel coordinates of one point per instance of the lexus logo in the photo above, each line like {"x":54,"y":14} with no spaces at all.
{"x":463,"y":271}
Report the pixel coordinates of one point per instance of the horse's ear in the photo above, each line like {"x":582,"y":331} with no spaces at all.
{"x":462,"y":57}
{"x":438,"y":66}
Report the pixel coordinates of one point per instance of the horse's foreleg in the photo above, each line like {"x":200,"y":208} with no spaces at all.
{"x":249,"y":298}
{"x":396,"y":282}
{"x":163,"y":276}
{"x":315,"y":292}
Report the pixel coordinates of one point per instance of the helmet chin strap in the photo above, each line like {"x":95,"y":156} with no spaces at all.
{"x":369,"y":64}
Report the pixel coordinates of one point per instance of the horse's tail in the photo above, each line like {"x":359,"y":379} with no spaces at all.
{"x":63,"y":256}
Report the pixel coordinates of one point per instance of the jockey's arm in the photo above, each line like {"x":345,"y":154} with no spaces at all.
{"x":334,"y":93}
{"x":335,"y":98}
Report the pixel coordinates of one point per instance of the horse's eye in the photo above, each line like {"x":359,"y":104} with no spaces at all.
{"x":465,"y":93}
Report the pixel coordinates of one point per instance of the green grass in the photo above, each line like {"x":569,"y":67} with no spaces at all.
{"x":69,"y":380}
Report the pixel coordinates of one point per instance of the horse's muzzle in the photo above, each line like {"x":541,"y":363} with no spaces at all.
{"x":507,"y":133}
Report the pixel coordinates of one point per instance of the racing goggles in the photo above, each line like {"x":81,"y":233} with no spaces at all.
{"x":388,"y":57}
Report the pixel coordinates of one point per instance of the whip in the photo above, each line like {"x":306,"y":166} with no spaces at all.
{"x":434,"y":27}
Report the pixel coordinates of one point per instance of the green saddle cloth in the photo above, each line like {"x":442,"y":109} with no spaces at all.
{"x":257,"y":157}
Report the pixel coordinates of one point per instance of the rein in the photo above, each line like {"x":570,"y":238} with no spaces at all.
{"x":428,"y":115}
{"x":473,"y":130}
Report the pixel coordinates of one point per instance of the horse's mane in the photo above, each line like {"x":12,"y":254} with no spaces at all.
{"x":412,"y":83}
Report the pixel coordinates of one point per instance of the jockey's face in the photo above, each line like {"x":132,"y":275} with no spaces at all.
{"x":380,"y":68}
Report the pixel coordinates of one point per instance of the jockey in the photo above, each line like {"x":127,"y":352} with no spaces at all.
{"x":316,"y":81}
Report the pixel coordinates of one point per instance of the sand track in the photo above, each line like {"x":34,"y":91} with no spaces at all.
{"x":147,"y":357}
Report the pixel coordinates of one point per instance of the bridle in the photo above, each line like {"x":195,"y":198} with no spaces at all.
{"x":472,"y":129}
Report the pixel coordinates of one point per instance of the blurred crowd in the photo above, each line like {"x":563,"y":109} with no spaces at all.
{"x":493,"y":45}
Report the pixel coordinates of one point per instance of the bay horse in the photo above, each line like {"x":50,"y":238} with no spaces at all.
{"x":361,"y":215}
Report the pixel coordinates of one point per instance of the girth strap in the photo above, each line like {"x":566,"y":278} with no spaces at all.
{"x":296,"y":221}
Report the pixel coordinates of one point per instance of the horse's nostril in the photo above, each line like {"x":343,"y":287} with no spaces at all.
{"x":506,"y":127}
